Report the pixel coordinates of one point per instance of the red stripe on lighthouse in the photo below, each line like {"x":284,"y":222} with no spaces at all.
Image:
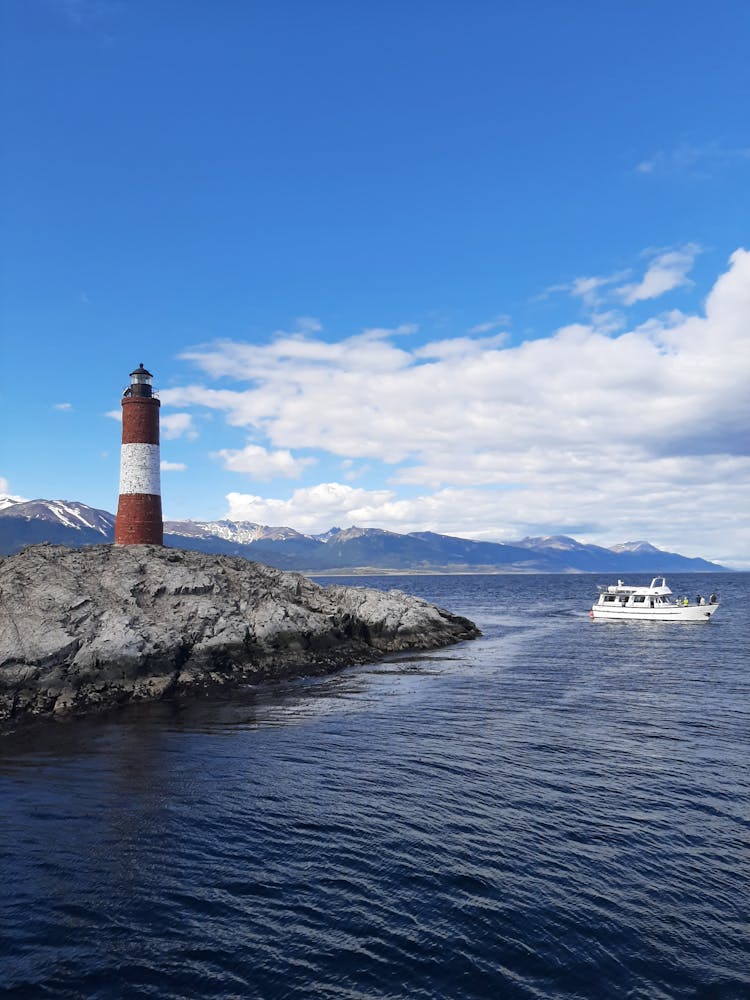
{"x":139,"y":520}
{"x":139,"y":516}
{"x":140,"y":420}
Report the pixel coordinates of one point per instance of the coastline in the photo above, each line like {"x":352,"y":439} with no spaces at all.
{"x":90,"y":628}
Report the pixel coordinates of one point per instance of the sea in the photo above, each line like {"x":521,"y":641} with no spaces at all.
{"x":560,"y":808}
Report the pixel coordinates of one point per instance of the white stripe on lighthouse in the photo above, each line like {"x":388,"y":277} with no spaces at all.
{"x":139,"y":469}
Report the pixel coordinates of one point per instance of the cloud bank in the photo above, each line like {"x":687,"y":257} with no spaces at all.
{"x":642,"y":434}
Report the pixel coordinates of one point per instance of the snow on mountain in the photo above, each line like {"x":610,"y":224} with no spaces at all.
{"x":74,"y":515}
{"x":60,"y":522}
{"x":348,"y":534}
{"x":241,"y":532}
{"x":66,"y":522}
{"x":562,"y":542}
{"x":642,"y":548}
{"x":8,"y":501}
{"x":68,"y":513}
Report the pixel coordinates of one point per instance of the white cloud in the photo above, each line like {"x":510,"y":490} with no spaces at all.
{"x":353,"y":472}
{"x":172,"y":466}
{"x":592,"y":290}
{"x":369,"y":350}
{"x":502,"y":320}
{"x":62,"y":406}
{"x":659,"y":500}
{"x":114,"y":415}
{"x":313,"y":508}
{"x":262,"y":464}
{"x":598,"y":293}
{"x":613,"y":437}
{"x":460,"y":347}
{"x":689,"y":160}
{"x":176,"y":425}
{"x":667,"y":271}
{"x":308,"y":324}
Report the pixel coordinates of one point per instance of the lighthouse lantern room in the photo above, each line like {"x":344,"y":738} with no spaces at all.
{"x":139,"y":517}
{"x":140,"y":382}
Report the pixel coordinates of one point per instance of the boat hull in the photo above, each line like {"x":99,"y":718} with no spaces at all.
{"x":691,"y":614}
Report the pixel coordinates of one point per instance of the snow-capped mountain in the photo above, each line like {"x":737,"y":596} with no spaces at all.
{"x":561,"y":542}
{"x":9,"y":501}
{"x":641,"y":548}
{"x":348,"y":534}
{"x":65,"y":522}
{"x":69,"y":513}
{"x":244,"y":532}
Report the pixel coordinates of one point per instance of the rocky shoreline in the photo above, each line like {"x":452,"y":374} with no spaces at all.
{"x":85,"y":629}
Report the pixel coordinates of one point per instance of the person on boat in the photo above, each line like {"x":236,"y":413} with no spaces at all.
{"x":713,"y":599}
{"x":685,"y":601}
{"x":700,"y":599}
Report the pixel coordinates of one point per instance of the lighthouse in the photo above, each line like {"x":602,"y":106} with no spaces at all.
{"x":139,"y":520}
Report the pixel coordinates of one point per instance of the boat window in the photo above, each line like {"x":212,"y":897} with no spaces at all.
{"x":638,"y":599}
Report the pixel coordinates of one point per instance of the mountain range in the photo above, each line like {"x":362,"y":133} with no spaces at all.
{"x":342,"y":550}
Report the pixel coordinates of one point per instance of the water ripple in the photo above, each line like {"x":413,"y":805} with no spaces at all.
{"x":556,"y":810}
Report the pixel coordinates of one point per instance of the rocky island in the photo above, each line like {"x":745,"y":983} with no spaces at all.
{"x":82,"y":629}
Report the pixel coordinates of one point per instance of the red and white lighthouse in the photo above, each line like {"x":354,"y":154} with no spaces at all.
{"x":139,"y":520}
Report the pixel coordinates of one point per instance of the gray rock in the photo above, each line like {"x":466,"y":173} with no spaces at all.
{"x":88,"y":628}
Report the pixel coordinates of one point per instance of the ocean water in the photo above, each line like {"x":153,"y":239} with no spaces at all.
{"x":558,"y":809}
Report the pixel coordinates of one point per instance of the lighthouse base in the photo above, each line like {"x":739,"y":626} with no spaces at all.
{"x":139,"y":520}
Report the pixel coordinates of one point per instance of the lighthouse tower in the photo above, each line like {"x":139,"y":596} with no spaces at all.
{"x":139,"y":519}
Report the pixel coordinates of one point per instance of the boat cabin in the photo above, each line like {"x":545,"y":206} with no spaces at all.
{"x":634,"y":600}
{"x":621,"y":595}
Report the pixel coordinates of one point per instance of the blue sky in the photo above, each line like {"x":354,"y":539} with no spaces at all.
{"x":474,"y":267}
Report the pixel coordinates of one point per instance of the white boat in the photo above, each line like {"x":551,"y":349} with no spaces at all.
{"x":620,"y":602}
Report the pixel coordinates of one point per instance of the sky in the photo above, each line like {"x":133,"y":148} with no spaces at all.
{"x":481,"y":268}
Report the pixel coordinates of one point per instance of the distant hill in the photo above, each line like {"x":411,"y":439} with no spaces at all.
{"x":342,"y":550}
{"x":61,"y":522}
